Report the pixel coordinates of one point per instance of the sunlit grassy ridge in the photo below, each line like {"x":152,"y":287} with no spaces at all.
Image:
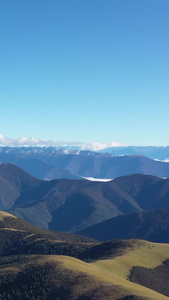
{"x":4,"y":214}
{"x":145,"y":254}
{"x":37,"y":264}
{"x":110,"y":275}
{"x":71,"y":278}
{"x":49,"y":277}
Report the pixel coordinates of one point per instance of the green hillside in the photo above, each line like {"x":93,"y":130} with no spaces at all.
{"x":41,"y":265}
{"x":143,"y":254}
{"x":62,"y":277}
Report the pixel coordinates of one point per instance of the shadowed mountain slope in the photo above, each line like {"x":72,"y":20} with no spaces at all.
{"x":148,"y":225}
{"x":72,"y":205}
{"x":18,"y":236}
{"x":13,"y":182}
{"x":10,"y":222}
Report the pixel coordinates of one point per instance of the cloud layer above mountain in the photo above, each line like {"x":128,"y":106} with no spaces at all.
{"x":35,"y":142}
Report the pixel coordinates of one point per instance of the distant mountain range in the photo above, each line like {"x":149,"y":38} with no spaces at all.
{"x":52,"y":163}
{"x":75,"y":205}
{"x":154,"y":152}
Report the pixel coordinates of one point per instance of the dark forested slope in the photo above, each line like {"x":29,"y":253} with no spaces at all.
{"x":73,"y":205}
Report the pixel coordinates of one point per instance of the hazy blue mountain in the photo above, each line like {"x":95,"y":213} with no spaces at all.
{"x":52,"y":163}
{"x":154,"y":152}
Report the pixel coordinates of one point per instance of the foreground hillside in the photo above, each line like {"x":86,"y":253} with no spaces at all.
{"x":138,"y":265}
{"x":57,"y":277}
{"x":73,"y":205}
{"x":42,"y":265}
{"x":51,"y":163}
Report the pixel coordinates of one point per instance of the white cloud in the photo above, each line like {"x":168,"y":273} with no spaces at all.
{"x":97,"y":179}
{"x":35,"y":142}
{"x":24,"y":141}
{"x":100,"y":146}
{"x":162,"y":160}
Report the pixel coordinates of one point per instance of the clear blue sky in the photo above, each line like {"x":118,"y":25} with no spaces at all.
{"x":85,"y":70}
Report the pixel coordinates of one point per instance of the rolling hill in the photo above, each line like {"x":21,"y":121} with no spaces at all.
{"x":78,"y":268}
{"x":60,"y":278}
{"x":84,"y":270}
{"x":136,"y":255}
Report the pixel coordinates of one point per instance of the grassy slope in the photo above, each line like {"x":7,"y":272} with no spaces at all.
{"x":71,"y":278}
{"x":49,"y":277}
{"x":110,"y":276}
{"x":146,"y":254}
{"x":100,"y":279}
{"x":4,"y":215}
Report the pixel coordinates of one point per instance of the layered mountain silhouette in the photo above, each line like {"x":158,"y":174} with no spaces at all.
{"x":52,"y":163}
{"x":73,"y":205}
{"x":36,"y":263}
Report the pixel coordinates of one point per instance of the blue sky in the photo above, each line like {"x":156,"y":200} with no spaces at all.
{"x":87,"y":71}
